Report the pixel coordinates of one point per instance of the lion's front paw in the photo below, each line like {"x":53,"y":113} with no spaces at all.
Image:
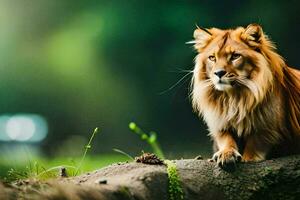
{"x":227,"y":158}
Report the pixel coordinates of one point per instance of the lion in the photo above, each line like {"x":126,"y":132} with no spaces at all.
{"x":246,"y":94}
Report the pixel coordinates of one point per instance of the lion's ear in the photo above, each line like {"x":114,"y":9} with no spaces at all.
{"x":202,"y":37}
{"x":253,"y":34}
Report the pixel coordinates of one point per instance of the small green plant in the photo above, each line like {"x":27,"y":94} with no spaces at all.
{"x":53,"y":171}
{"x":150,"y":138}
{"x":86,"y":149}
{"x":36,"y":170}
{"x":123,"y":153}
{"x":174,"y":188}
{"x":14,"y":175}
{"x":30,"y":171}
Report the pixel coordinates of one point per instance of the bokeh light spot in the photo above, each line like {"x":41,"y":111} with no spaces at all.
{"x":23,"y":128}
{"x":20,"y":128}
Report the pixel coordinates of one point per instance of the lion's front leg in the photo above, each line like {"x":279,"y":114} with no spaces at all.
{"x":227,"y":154}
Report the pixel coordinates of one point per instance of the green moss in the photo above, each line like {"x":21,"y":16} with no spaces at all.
{"x":124,"y":192}
{"x":174,"y":188}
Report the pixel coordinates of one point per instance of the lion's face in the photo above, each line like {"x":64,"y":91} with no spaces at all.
{"x":227,"y":63}
{"x":230,"y":59}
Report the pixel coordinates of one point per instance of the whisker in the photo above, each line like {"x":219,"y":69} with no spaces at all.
{"x":240,"y":81}
{"x":191,"y":42}
{"x":177,"y":83}
{"x":182,"y":71}
{"x":179,"y":70}
{"x":230,"y":79}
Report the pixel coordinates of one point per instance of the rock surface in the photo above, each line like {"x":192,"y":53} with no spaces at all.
{"x":200,"y":179}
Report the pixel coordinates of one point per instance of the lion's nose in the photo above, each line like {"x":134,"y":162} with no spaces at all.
{"x":219,"y":73}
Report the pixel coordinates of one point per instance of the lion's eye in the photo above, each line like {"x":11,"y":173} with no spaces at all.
{"x":212,"y":58}
{"x":235,"y":56}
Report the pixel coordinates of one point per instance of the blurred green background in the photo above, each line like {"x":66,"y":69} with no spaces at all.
{"x":77,"y":65}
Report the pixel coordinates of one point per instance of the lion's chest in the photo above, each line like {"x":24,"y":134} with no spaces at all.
{"x":228,"y":119}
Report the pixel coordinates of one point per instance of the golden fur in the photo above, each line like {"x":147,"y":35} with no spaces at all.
{"x":253,"y":109}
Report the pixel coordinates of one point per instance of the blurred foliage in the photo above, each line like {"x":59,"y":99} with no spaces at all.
{"x":42,"y":167}
{"x":84,"y":64}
